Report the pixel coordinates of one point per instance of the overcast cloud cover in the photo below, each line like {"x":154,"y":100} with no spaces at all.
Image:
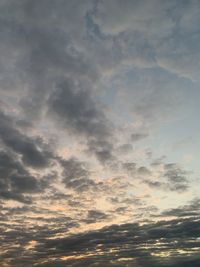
{"x":99,"y":133}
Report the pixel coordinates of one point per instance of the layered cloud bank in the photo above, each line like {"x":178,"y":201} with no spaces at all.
{"x":99,"y":143}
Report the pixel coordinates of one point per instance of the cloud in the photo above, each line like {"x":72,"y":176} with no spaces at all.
{"x":15,"y":180}
{"x":116,"y":17}
{"x":190,"y":210}
{"x":143,"y":171}
{"x":125,"y":148}
{"x":138,"y":136}
{"x":161,"y":31}
{"x":75,"y":109}
{"x":76,"y":175}
{"x":26,"y":147}
{"x":171,"y":177}
{"x":130,"y":167}
{"x":88,"y":90}
{"x":20,"y":154}
{"x":176,"y":176}
{"x":95,"y":216}
{"x":153,"y":244}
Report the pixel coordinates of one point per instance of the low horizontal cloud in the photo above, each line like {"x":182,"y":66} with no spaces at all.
{"x":152,"y":244}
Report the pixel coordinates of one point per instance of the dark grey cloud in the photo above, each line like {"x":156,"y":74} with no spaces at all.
{"x":9,"y":167}
{"x":37,"y":47}
{"x":190,"y":210}
{"x":52,"y":68}
{"x":155,"y":184}
{"x":15,"y":180}
{"x":76,"y":176}
{"x":24,"y":146}
{"x":128,"y":241}
{"x":76,"y":110}
{"x":18,"y":153}
{"x":177,"y":187}
{"x":173,"y":178}
{"x":135,"y":171}
{"x":143,"y":171}
{"x":96,"y":216}
{"x":125,"y":148}
{"x":177,"y":177}
{"x":128,"y":244}
{"x":130,"y":167}
{"x":24,"y":184}
{"x":74,"y":169}
{"x":47,"y":55}
{"x":126,"y":201}
{"x":138,"y":136}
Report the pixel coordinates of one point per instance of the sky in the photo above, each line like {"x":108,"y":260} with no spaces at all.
{"x":99,"y":133}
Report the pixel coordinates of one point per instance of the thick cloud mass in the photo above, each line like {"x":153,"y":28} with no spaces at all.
{"x":16,"y":180}
{"x":21,"y":144}
{"x":77,"y":111}
{"x":99,"y":133}
{"x":125,"y":244}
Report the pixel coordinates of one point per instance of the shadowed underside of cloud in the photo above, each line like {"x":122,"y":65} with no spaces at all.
{"x":74,"y":108}
{"x":18,"y":154}
{"x":166,"y":243}
{"x":175,"y":179}
{"x":23,"y":145}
